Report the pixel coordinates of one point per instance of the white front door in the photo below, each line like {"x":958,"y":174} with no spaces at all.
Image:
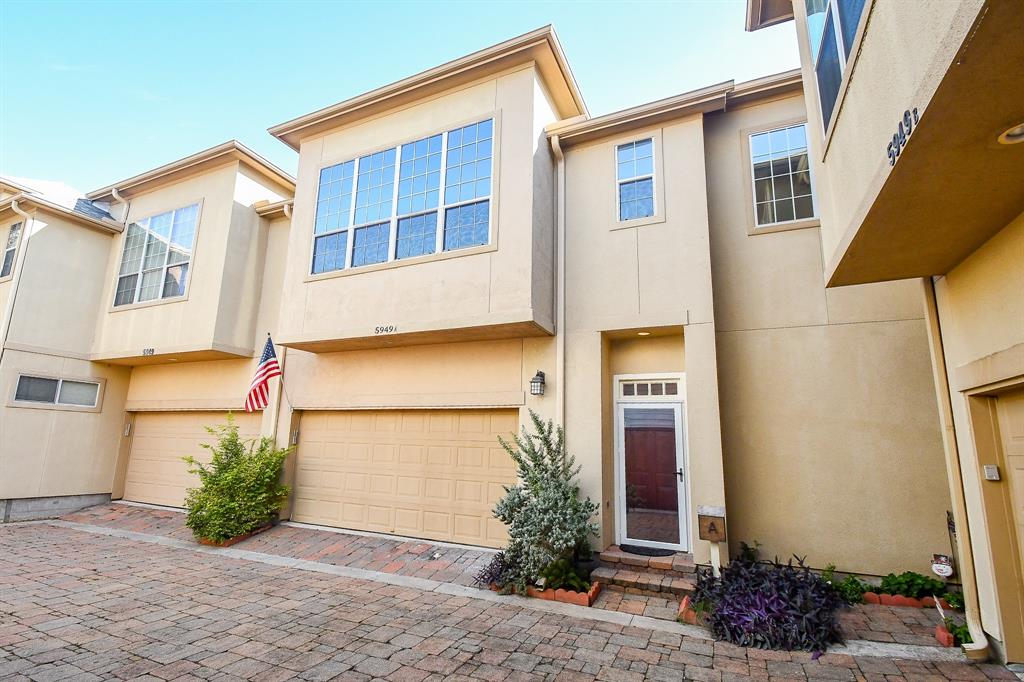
{"x":651,"y":472}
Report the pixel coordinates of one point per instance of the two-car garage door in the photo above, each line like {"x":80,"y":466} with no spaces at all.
{"x":155,"y":472}
{"x":432,"y":474}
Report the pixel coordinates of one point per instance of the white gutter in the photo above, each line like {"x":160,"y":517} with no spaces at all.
{"x":287,"y":211}
{"x":979,"y":649}
{"x":26,"y":228}
{"x":121,"y":200}
{"x":556,"y":149}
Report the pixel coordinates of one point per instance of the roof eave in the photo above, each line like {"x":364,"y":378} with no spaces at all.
{"x":233,"y":149}
{"x":292,"y":132}
{"x":31,"y":200}
{"x":756,"y":21}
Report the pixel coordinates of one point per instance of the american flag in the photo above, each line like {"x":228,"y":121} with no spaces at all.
{"x":259,"y":393}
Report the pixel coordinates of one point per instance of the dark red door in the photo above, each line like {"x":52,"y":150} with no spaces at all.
{"x":652,"y":486}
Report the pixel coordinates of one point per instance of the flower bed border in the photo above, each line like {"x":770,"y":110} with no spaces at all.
{"x":687,"y":614}
{"x":235,"y":540}
{"x":900,"y":600}
{"x":567,"y":596}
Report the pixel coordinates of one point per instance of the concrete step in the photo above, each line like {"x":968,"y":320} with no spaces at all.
{"x":678,"y":565}
{"x":632,"y":581}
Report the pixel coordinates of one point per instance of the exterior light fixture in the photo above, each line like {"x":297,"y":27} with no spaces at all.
{"x":643,"y":333}
{"x":537,"y":383}
{"x":1012,"y":135}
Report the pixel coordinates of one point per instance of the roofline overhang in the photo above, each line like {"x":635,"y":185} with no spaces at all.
{"x":17,"y":187}
{"x":232,"y":150}
{"x":275,"y":210}
{"x":718,"y":97}
{"x":755,"y":19}
{"x":489,"y":60}
{"x":32,"y":201}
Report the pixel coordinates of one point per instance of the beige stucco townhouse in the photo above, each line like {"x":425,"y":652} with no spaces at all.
{"x":915,"y":119}
{"x":449,"y":238}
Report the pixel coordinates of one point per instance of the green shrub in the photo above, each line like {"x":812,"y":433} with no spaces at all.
{"x":851,"y":588}
{"x":562,"y":574}
{"x":961,"y":633}
{"x":546,"y":518}
{"x":955,"y":600}
{"x":240,"y":488}
{"x":910,"y":584}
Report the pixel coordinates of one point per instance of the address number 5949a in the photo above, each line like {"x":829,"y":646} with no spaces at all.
{"x":385,"y":329}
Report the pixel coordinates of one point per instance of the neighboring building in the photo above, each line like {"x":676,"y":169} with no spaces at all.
{"x":458,"y":233}
{"x":917,"y":119}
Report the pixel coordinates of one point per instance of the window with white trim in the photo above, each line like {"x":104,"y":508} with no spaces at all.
{"x":393,"y":205}
{"x":634,"y":176}
{"x":156,"y":257}
{"x":781,"y":175}
{"x":10,"y":250}
{"x":831,"y":29}
{"x":49,"y":391}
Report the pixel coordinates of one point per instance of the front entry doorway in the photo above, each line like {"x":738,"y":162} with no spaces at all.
{"x":651,"y":475}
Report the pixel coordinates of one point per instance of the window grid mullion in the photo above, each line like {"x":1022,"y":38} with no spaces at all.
{"x":351,"y":236}
{"x":840,"y":40}
{"x":441,"y":205}
{"x":142,"y":263}
{"x":393,"y":233}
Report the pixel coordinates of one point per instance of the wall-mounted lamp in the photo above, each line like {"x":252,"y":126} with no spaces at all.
{"x":537,"y":383}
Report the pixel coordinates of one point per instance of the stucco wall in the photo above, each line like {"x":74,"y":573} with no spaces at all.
{"x":830,"y":430}
{"x":899,"y":64}
{"x":504,"y":282}
{"x":46,"y":451}
{"x":981,"y":315}
{"x":622,"y":278}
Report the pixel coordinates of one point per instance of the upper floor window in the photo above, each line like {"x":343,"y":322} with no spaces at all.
{"x":390,"y":205}
{"x":781,"y":175}
{"x":48,"y":391}
{"x":831,"y":29}
{"x":10,"y":249}
{"x":156,"y":257}
{"x":635,"y":179}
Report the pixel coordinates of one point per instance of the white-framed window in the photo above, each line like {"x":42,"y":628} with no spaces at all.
{"x":831,"y":29}
{"x":156,"y":257}
{"x":50,"y":391}
{"x":781,"y":175}
{"x":10,"y":250}
{"x":634,"y":177}
{"x":415,"y":199}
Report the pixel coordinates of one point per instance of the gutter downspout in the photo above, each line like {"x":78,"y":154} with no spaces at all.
{"x":26,"y":228}
{"x":556,"y":148}
{"x":979,"y":649}
{"x":121,"y":200}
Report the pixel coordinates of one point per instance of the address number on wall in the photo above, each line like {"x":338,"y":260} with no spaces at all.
{"x":385,"y":329}
{"x":902,"y":134}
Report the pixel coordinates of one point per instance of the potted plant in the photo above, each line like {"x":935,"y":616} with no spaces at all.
{"x":549,"y":523}
{"x":240,"y":490}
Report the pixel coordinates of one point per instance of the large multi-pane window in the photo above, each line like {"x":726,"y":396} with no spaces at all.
{"x":412,"y":200}
{"x":10,"y":249}
{"x":831,"y":29}
{"x":156,"y":257}
{"x":781,"y":175}
{"x":635,"y":177}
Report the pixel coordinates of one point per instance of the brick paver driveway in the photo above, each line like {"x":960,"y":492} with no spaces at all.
{"x":85,"y":606}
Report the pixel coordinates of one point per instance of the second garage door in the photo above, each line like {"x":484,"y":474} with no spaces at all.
{"x":432,"y":474}
{"x":156,"y":473}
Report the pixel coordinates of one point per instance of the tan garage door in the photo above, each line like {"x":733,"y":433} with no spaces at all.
{"x":156,"y":473}
{"x":432,"y":474}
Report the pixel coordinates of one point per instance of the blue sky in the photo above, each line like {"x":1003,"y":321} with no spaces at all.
{"x":91,"y":92}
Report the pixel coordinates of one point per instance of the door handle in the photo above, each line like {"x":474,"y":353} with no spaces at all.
{"x":680,"y":473}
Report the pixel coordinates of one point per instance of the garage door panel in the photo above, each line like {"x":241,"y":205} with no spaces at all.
{"x":156,"y":473}
{"x":429,"y":474}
